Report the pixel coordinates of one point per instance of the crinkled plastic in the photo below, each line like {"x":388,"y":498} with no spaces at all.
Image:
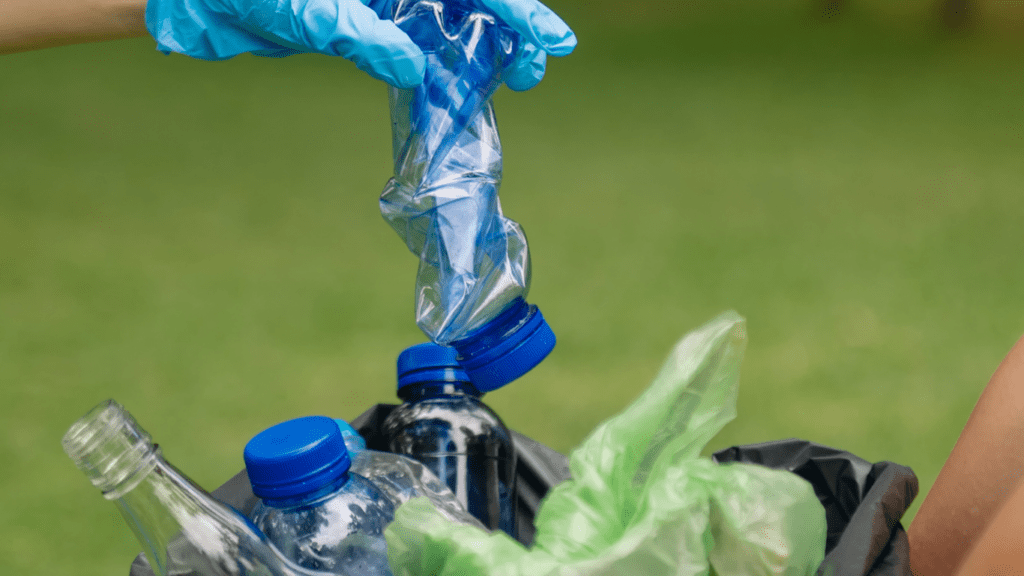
{"x":402,"y":479}
{"x":443,"y":199}
{"x":641,"y":500}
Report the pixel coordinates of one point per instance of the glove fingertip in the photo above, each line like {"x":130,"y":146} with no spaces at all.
{"x":536,"y":22}
{"x":529,"y":71}
{"x":563,"y":47}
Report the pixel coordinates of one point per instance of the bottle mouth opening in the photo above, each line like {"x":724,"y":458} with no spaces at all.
{"x":98,"y":425}
{"x":109,"y":446}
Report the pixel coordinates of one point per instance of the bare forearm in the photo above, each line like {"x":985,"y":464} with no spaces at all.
{"x":1000,"y":549}
{"x":985,"y":466}
{"x":31,"y":24}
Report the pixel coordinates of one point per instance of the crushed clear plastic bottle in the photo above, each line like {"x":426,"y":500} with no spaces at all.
{"x":444,"y":424}
{"x":401,"y":478}
{"x":182,"y":529}
{"x":474,"y":271}
{"x":313,"y":507}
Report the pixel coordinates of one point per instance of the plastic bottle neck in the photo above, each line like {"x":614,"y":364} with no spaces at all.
{"x":437,"y":389}
{"x":109,"y":446}
{"x":506,"y":347}
{"x":182,"y":529}
{"x":157,"y":501}
{"x":309,"y":498}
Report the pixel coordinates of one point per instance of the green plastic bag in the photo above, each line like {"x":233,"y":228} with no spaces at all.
{"x":641,"y":500}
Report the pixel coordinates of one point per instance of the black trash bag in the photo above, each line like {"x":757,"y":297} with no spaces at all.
{"x":538,"y":469}
{"x":863,"y":502}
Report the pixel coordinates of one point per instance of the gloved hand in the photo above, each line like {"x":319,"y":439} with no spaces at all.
{"x":221,"y":29}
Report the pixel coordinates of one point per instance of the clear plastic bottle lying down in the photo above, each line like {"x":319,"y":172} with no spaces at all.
{"x":444,"y":425}
{"x":182,"y":529}
{"x":474,"y":271}
{"x":312,"y":507}
{"x":401,"y":478}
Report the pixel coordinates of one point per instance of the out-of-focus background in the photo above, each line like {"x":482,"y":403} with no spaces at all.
{"x":201,"y":241}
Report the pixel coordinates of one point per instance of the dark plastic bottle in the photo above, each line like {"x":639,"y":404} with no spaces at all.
{"x":444,"y":424}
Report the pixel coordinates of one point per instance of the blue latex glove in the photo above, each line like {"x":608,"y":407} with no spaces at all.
{"x":221,"y":29}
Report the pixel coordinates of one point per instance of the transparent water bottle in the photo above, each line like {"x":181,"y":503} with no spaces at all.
{"x":182,"y":529}
{"x":354,"y":441}
{"x":443,"y":424}
{"x":474,"y":271}
{"x":401,"y":478}
{"x":317,"y":511}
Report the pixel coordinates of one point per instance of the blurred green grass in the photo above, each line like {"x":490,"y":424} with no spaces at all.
{"x":201,"y":241}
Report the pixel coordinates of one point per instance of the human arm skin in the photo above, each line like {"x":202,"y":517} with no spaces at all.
{"x":982,"y":471}
{"x":1000,"y":549}
{"x":32,"y":24}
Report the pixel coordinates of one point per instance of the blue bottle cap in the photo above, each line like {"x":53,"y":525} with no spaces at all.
{"x":507,"y":347}
{"x":429,"y":362}
{"x":296,"y":457}
{"x":354,"y":441}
